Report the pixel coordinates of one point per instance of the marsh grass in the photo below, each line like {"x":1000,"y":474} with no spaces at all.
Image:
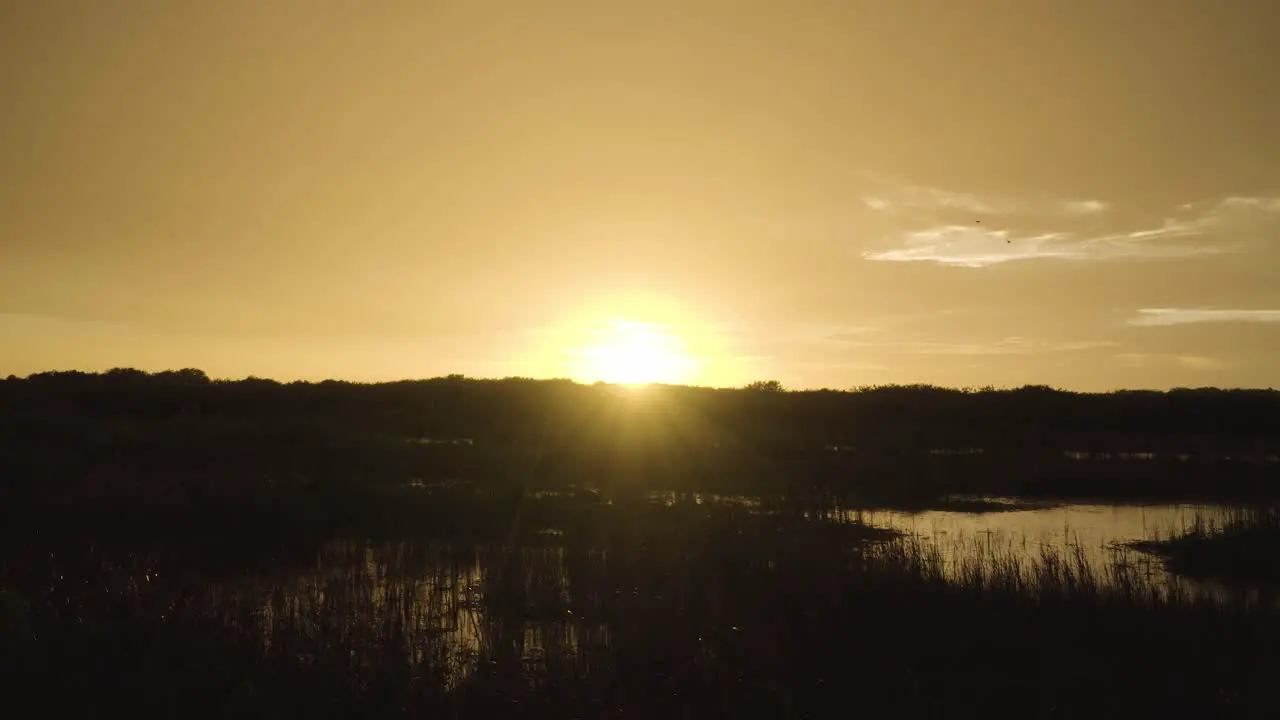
{"x":626,"y":608}
{"x":1245,"y":547}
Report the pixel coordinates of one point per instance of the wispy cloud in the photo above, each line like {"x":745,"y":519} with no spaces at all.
{"x":1083,"y":207}
{"x":806,"y":337}
{"x":971,"y":247}
{"x":1195,"y":230}
{"x":1264,"y":204}
{"x":1133,"y":360}
{"x":915,"y":198}
{"x":1188,"y":362}
{"x":1153,"y":317}
{"x":892,"y":196}
{"x":848,"y":334}
{"x":1006,"y":346}
{"x":933,"y":199}
{"x":1201,"y":362}
{"x":848,"y":365}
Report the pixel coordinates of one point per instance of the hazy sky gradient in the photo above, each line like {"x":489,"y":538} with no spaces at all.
{"x":1084,"y":194}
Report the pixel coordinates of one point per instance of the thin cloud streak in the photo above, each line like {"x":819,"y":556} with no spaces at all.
{"x":896,"y":196}
{"x":1201,"y":362}
{"x":1158,"y":317}
{"x":771,"y":342}
{"x":975,"y":246}
{"x":1007,"y":346}
{"x":1084,"y":207}
{"x":933,"y":199}
{"x":801,"y":332}
{"x":1264,"y":204}
{"x":965,"y":246}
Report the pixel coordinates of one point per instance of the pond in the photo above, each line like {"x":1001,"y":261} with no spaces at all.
{"x":1100,"y":532}
{"x":974,"y":528}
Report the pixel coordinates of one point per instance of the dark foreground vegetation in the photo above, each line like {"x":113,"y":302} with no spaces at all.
{"x":1246,"y":547}
{"x":172,"y":546}
{"x":591,"y":609}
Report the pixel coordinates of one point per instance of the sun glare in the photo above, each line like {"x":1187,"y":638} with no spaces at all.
{"x":634,"y":353}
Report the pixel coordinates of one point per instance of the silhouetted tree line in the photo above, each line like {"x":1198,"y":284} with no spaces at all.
{"x":126,"y":422}
{"x":520,"y":408}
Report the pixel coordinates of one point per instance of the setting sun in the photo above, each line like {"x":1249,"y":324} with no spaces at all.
{"x":633,"y":353}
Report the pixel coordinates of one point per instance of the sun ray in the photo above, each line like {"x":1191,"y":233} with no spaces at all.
{"x":627,"y":352}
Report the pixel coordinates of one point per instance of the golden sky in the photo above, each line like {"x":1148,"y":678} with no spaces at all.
{"x":829,"y":193}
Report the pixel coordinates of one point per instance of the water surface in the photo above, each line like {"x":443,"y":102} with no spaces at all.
{"x":1100,"y":532}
